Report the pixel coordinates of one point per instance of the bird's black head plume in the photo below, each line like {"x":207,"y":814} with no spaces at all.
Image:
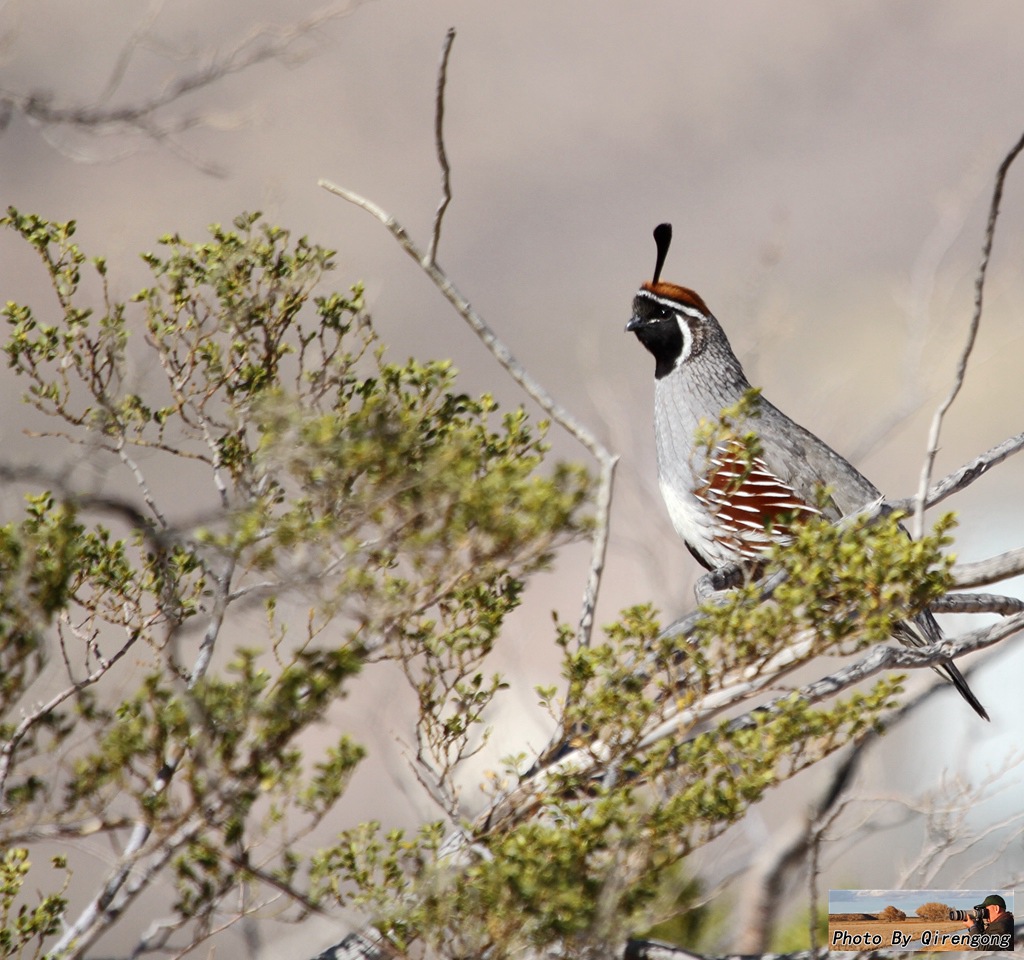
{"x":663,"y":238}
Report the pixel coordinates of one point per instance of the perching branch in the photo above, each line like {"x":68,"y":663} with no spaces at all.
{"x":893,"y":658}
{"x":500,"y":351}
{"x":735,"y":690}
{"x":972,"y":333}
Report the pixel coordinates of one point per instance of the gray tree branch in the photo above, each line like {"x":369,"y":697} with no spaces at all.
{"x":498,"y":349}
{"x":127,"y":880}
{"x":442,"y":154}
{"x":982,"y":572}
{"x":146,"y":115}
{"x":972,"y":333}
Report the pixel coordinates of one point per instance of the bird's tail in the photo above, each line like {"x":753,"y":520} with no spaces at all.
{"x":923,"y":630}
{"x":954,"y":676}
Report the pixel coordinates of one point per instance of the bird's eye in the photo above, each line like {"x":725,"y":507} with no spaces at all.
{"x":661,"y":312}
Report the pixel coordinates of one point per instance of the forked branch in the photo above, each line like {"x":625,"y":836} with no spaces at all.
{"x":147,"y":115}
{"x":972,"y":334}
{"x":499,"y":350}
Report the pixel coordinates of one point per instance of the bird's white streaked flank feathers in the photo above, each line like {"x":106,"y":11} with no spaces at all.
{"x":751,"y":506}
{"x":730,"y":502}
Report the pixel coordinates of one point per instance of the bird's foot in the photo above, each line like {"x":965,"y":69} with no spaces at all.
{"x":729,"y":577}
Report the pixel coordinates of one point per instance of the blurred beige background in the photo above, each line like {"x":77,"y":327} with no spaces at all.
{"x":827,"y":168}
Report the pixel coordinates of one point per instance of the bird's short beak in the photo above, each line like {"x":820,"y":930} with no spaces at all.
{"x":635,"y":323}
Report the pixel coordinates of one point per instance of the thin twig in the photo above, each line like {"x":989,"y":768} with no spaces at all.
{"x":145,"y":116}
{"x":963,"y":476}
{"x":45,"y":710}
{"x":124,"y":884}
{"x":498,"y":349}
{"x":442,"y":156}
{"x":133,"y":43}
{"x":218,"y":608}
{"x":140,"y":479}
{"x":936,"y":246}
{"x":972,"y":333}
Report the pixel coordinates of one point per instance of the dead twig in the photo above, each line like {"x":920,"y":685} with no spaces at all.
{"x":972,"y":333}
{"x":146,"y":115}
{"x":442,"y":155}
{"x":500,"y":351}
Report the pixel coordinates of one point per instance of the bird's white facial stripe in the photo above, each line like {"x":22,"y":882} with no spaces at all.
{"x":684,"y":327}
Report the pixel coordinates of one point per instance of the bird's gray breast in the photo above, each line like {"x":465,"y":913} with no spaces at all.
{"x":681,"y":464}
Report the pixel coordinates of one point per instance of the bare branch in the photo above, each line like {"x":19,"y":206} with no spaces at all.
{"x":221,"y":599}
{"x":913,"y":396}
{"x":972,"y":333}
{"x":124,"y":58}
{"x":262,"y":44}
{"x":526,"y":380}
{"x":140,"y":479}
{"x":977,"y":603}
{"x":46,"y":710}
{"x":947,"y":812}
{"x":964,"y":476}
{"x":997,"y":568}
{"x":442,"y":156}
{"x":126,"y":881}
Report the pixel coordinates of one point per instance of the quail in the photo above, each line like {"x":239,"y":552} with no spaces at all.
{"x":727,"y":502}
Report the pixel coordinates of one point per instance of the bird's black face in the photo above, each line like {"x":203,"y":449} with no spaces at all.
{"x":670,"y":324}
{"x":657,"y":327}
